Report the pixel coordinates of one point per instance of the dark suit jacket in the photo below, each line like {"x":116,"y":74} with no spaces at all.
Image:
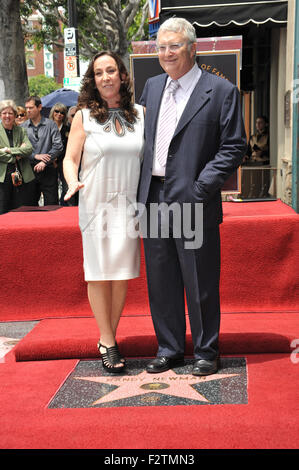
{"x":208,"y":144}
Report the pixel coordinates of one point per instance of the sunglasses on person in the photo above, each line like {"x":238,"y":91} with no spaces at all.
{"x":21,"y":115}
{"x":58,"y":111}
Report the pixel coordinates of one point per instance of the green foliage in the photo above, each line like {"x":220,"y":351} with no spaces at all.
{"x":42,"y":85}
{"x":102,"y":24}
{"x":135,"y":25}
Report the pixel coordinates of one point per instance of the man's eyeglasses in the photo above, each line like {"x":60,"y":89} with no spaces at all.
{"x":162,"y":48}
{"x":21,"y":115}
{"x":59,"y":112}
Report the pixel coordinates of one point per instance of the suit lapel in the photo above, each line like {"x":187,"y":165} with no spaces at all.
{"x":156,"y":98}
{"x":199,"y":97}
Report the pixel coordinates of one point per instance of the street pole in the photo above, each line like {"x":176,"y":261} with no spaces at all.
{"x":71,"y":4}
{"x":72,"y":23}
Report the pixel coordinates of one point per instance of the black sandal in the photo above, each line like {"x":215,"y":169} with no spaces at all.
{"x":111,"y":357}
{"x":122,"y":359}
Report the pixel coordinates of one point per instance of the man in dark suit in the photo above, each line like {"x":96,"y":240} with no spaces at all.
{"x":194,"y":140}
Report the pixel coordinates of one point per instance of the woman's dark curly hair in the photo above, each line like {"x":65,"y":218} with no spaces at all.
{"x":90,"y":97}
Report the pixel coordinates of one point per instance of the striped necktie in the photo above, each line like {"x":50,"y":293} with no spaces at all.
{"x":167,"y":122}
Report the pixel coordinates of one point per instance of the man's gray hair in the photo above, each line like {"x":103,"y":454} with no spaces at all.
{"x":179,"y":25}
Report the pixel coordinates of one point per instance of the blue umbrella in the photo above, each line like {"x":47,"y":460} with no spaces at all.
{"x":62,"y":95}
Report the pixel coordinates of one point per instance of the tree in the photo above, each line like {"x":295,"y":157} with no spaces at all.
{"x":13,"y":72}
{"x":109,"y":24}
{"x":41,"y":85}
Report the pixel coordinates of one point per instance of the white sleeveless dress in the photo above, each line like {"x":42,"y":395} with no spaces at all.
{"x":110,"y":169}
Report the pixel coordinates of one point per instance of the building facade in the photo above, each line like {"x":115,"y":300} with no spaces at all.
{"x":43,"y":61}
{"x":269,"y":73}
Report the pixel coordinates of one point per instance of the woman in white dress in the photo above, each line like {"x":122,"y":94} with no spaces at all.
{"x":107,"y":132}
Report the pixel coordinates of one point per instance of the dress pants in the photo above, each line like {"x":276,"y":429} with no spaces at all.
{"x":174,"y":271}
{"x":64,"y":186}
{"x":8,"y":192}
{"x":45,"y":182}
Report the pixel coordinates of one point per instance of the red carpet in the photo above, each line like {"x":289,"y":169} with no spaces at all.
{"x":41,"y":278}
{"x":270,"y":420}
{"x":41,"y":263}
{"x":77,"y":338}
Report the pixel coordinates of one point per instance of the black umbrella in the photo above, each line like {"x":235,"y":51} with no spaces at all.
{"x":62,"y":95}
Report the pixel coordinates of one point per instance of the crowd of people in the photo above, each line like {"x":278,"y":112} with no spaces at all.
{"x":32,"y":148}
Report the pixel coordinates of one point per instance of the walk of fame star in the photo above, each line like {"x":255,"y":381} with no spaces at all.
{"x":90,"y":386}
{"x":168,"y":383}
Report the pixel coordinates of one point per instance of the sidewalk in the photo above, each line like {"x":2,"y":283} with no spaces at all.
{"x":11,"y":333}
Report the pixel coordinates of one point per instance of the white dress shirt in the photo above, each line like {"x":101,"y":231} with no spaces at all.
{"x":187,"y":84}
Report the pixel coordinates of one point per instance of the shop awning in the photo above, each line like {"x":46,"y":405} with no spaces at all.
{"x":206,"y":13}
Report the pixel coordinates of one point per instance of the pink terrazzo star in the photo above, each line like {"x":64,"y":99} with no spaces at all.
{"x":167,"y":383}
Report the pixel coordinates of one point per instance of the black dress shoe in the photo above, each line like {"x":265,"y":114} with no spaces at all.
{"x":163,"y":363}
{"x":204,"y":367}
